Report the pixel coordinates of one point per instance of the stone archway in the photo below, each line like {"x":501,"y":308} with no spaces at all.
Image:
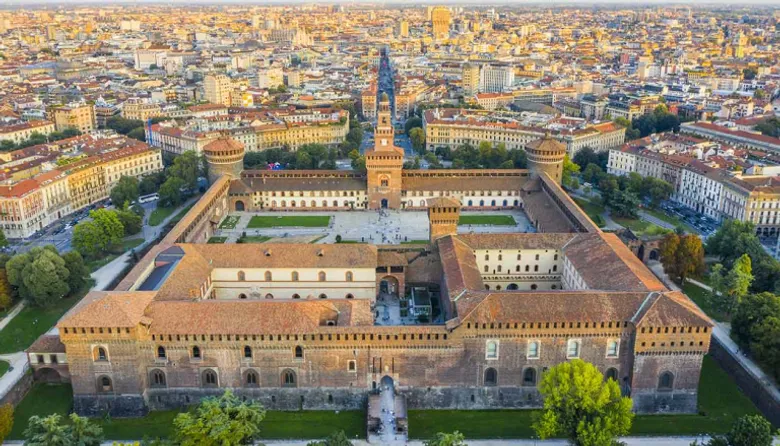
{"x":389,"y":285}
{"x":48,"y":375}
{"x":385,"y":203}
{"x":387,"y":382}
{"x":240,"y":206}
{"x":654,"y":255}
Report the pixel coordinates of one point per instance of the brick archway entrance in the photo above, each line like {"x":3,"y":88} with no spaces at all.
{"x":389,"y":285}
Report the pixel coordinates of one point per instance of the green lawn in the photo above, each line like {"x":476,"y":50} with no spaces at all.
{"x":308,"y":221}
{"x":720,"y":404}
{"x":48,"y":399}
{"x":160,"y":214}
{"x":594,"y":210}
{"x":670,"y":219}
{"x":4,"y":367}
{"x":181,"y":214}
{"x":217,"y":240}
{"x":496,"y":220}
{"x":254,"y":239}
{"x":700,"y":296}
{"x":641,"y":227}
{"x":32,"y":322}
{"x":229,"y":222}
{"x":127,"y":245}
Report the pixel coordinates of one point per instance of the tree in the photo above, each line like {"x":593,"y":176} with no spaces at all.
{"x":126,"y":190}
{"x":186,"y":167}
{"x":754,"y":309}
{"x":6,"y":420}
{"x":750,"y":430}
{"x":335,"y":439}
{"x":586,"y":156}
{"x":131,"y":221}
{"x":39,"y":275}
{"x":6,"y":299}
{"x":581,"y":406}
{"x":592,"y":173}
{"x":137,"y":133}
{"x":412,"y":123}
{"x":122,"y":125}
{"x":170,"y":192}
{"x":89,"y":239}
{"x":445,"y":439}
{"x":77,"y":270}
{"x":110,"y":225}
{"x":417,"y":136}
{"x":717,"y":296}
{"x":151,"y":183}
{"x":3,"y":239}
{"x":738,"y":281}
{"x":623,"y":204}
{"x":568,"y":177}
{"x":48,"y":431}
{"x":682,"y":255}
{"x":749,"y":73}
{"x":225,"y":420}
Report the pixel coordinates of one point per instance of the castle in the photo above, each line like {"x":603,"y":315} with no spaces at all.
{"x":294,"y":325}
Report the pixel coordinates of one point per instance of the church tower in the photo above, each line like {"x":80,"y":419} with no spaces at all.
{"x":384,"y":162}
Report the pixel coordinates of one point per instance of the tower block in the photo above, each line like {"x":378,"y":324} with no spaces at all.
{"x":384,"y":163}
{"x":443,"y":217}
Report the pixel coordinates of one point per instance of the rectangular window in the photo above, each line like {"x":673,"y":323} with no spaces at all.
{"x":352,"y":366}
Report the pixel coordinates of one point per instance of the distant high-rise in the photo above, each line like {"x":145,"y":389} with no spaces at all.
{"x":217,"y":88}
{"x":441,"y":19}
{"x":402,"y":29}
{"x":495,"y":79}
{"x":51,"y":32}
{"x":470,"y":79}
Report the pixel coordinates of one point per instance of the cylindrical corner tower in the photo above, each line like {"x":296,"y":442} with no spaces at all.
{"x":224,"y":156}
{"x":546,"y":155}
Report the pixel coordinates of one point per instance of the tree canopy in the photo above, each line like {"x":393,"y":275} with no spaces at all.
{"x":40,"y":275}
{"x":126,"y":190}
{"x":447,"y":439}
{"x":682,"y":256}
{"x":219,"y":421}
{"x":50,"y":431}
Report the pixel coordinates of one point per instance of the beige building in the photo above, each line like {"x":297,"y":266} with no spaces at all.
{"x":75,"y":116}
{"x":142,"y":110}
{"x":218,"y":88}
{"x":470,"y":79}
{"x":17,"y":133}
{"x":441,"y":19}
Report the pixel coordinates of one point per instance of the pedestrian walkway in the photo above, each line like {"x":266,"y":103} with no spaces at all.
{"x":19,"y":307}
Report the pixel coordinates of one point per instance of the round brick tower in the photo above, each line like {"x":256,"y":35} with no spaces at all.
{"x":546,"y":155}
{"x":224,"y":156}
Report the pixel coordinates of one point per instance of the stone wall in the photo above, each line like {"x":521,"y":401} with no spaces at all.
{"x":323,"y":398}
{"x":17,"y":392}
{"x":747,"y":383}
{"x":472,"y":397}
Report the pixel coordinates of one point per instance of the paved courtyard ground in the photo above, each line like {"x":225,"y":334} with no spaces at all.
{"x":377,"y":227}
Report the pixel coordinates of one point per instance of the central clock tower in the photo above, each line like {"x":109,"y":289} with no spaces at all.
{"x":384,"y":162}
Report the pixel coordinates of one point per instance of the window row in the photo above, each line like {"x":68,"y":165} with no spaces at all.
{"x":296,"y":296}
{"x":197,"y":353}
{"x":531,"y":376}
{"x":540,"y":325}
{"x":533,"y":349}
{"x":519,"y":257}
{"x":499,"y":269}
{"x":294,"y":276}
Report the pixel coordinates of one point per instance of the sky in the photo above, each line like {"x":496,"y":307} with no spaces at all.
{"x":515,"y":3}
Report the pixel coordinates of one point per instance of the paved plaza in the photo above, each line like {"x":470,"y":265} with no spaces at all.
{"x":377,"y":227}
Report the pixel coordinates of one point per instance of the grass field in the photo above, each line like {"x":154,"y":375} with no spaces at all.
{"x":641,"y":227}
{"x":216,"y":240}
{"x":495,"y":220}
{"x":229,"y":222}
{"x":127,"y":245}
{"x":181,"y":214}
{"x":593,"y":210}
{"x":32,"y":322}
{"x":720,"y":404}
{"x":670,"y":219}
{"x":48,"y":399}
{"x":700,"y":296}
{"x":307,"y":221}
{"x":4,"y":367}
{"x":160,"y":214}
{"x":254,"y":239}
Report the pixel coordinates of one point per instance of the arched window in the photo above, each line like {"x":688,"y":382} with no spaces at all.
{"x":529,"y":377}
{"x":321,"y":276}
{"x":348,"y":276}
{"x":157,"y":378}
{"x":666,"y":381}
{"x":533,"y":350}
{"x":295,"y":276}
{"x":104,"y":384}
{"x":350,"y":296}
{"x":268,"y":276}
{"x":298,"y":352}
{"x":161,"y":352}
{"x":241,"y":276}
{"x":251,"y":378}
{"x":573,"y":349}
{"x":289,"y":378}
{"x":612,"y":373}
{"x":534,"y":286}
{"x":296,"y":296}
{"x":242,"y":296}
{"x":247,"y":352}
{"x":491,"y":377}
{"x":209,"y":378}
{"x":100,"y":354}
{"x":196,"y":352}
{"x":491,"y":350}
{"x":323,"y":296}
{"x":269,"y":296}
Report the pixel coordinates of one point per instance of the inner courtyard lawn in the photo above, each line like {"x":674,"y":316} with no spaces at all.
{"x":495,"y":220}
{"x":701,"y":297}
{"x":308,"y":221}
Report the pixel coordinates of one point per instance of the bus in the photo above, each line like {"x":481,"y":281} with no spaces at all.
{"x":148,"y":198}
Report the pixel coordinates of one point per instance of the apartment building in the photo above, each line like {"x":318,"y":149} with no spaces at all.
{"x":368,"y":102}
{"x":700,"y":188}
{"x":755,"y":199}
{"x":493,"y":79}
{"x":79,"y":116}
{"x":22,"y":131}
{"x":737,"y":138}
{"x":494,"y":101}
{"x":140,"y":109}
{"x":470,"y":79}
{"x":32,"y":203}
{"x":218,"y":88}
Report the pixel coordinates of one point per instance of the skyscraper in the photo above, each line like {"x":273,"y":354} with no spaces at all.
{"x":470,"y":79}
{"x":441,"y":19}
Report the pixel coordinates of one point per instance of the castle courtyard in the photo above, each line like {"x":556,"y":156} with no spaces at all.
{"x":373,"y":226}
